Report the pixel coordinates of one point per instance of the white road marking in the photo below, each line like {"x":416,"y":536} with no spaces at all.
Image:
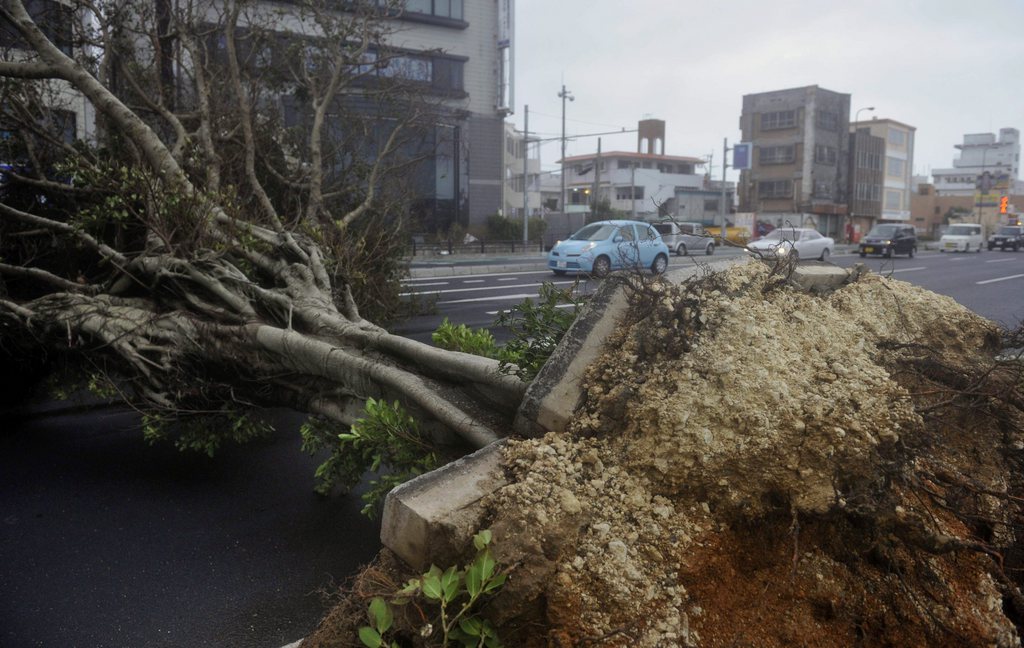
{"x":1000,"y":260}
{"x":910,"y":269}
{"x":457,"y":290}
{"x":474,"y":281}
{"x":507,"y":279}
{"x":988,"y":281}
{"x":436,"y":283}
{"x":480,"y":299}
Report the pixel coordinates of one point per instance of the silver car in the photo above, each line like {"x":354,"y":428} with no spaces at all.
{"x":686,"y":238}
{"x":794,"y":242}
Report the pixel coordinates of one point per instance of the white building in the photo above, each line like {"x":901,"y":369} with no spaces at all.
{"x":980,"y":153}
{"x":897,"y":168}
{"x":516,"y":149}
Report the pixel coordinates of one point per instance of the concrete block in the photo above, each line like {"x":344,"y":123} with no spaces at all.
{"x":819,"y":277}
{"x":432,"y":518}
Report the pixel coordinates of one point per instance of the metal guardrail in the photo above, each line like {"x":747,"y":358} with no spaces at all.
{"x":446,"y":248}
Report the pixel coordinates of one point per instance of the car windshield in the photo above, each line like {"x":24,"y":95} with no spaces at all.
{"x":781,"y":235}
{"x":595,"y":232}
{"x":884,"y":231}
{"x":961,"y":230}
{"x":1009,"y":231}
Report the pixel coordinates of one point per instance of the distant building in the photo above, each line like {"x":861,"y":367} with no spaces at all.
{"x":799,"y":171}
{"x":980,"y":153}
{"x":642,"y":184}
{"x":897,"y":163}
{"x":867,"y":178}
{"x":516,"y":148}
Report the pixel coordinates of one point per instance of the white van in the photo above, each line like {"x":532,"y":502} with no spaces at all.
{"x":962,"y":237}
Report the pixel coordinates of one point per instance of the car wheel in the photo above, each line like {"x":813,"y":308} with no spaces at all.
{"x":978,"y":250}
{"x":990,"y":247}
{"x":888,"y":253}
{"x":913,"y":251}
{"x":660,"y":264}
{"x":602,"y":266}
{"x":824,"y":255}
{"x":710,"y":249}
{"x":1016,"y":246}
{"x":681,"y":250}
{"x":795,"y":255}
{"x":559,"y":272}
{"x":863,"y":254}
{"x":967,"y":247}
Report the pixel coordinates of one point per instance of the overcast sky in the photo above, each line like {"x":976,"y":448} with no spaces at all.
{"x":945,"y":67}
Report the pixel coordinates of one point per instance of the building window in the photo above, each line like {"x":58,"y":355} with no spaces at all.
{"x":53,"y":18}
{"x":897,"y":137}
{"x":442,"y":8}
{"x":778,"y":119}
{"x":629,"y":193}
{"x":827,"y":120}
{"x":866,"y":160}
{"x":894,"y":167}
{"x":893,"y":199}
{"x":625,"y":164}
{"x":776,"y":154}
{"x":824,"y":154}
{"x":822,"y":189}
{"x":711,"y":205}
{"x":775,"y":188}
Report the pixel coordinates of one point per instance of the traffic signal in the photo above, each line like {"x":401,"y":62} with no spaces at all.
{"x":1004,"y":204}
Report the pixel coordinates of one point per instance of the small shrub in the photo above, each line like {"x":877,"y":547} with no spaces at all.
{"x":536,"y":329}
{"x":460,"y":337}
{"x":456,"y":594}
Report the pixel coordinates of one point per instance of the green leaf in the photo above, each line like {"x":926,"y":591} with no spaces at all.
{"x":471,"y":626}
{"x":482,"y":539}
{"x":370,"y":637}
{"x":474,"y":580}
{"x":495,"y":583}
{"x":432,"y":586}
{"x":486,"y":562}
{"x":380,"y":615}
{"x":450,"y":583}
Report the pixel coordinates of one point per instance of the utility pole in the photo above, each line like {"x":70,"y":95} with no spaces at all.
{"x":721,"y":205}
{"x":597,"y":178}
{"x":564,"y":94}
{"x":526,"y":157}
{"x":632,"y":186}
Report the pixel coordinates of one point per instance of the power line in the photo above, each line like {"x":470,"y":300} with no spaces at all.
{"x":579,"y":121}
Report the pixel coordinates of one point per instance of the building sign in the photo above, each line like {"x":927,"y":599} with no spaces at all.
{"x":741,"y":156}
{"x":989,"y":188}
{"x":506,"y":56}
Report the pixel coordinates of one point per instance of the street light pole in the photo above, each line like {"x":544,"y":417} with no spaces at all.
{"x":563,"y":95}
{"x":856,"y":120}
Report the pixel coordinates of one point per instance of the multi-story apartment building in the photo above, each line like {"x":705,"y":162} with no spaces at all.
{"x":898,"y":162}
{"x":457,"y":54}
{"x":642,"y":184}
{"x":517,"y":152}
{"x":981,"y":153}
{"x":867,"y":175}
{"x":800,"y":164}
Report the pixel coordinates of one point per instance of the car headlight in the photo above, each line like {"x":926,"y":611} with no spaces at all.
{"x":888,"y":242}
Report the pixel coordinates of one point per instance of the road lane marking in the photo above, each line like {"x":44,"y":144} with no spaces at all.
{"x":909,"y":269}
{"x":1000,"y":260}
{"x":474,"y":281}
{"x":458,"y":290}
{"x":436,"y":283}
{"x":988,"y":281}
{"x":507,"y":279}
{"x":480,"y":299}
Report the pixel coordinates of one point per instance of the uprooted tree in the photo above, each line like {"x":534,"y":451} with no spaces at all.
{"x":200,"y":256}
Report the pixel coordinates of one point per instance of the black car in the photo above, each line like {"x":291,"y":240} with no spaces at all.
{"x":889,"y":239}
{"x":1007,"y":237}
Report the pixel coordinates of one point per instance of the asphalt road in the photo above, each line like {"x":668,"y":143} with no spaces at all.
{"x":989,"y":283}
{"x":106,"y":541}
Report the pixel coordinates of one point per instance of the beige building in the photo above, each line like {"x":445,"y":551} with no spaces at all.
{"x":516,"y":149}
{"x":898,"y":163}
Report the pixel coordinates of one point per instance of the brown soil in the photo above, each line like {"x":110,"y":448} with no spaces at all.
{"x":758,"y":466}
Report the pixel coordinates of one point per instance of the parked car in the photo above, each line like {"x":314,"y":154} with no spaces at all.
{"x":684,"y":238}
{"x":604,"y":246}
{"x":797,"y":242}
{"x":888,"y":239}
{"x":1007,"y":237}
{"x":962,"y":237}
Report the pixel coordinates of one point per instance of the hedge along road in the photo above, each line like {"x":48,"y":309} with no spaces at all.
{"x":108,"y":541}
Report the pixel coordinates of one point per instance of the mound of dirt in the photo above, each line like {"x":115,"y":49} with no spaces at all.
{"x":759,"y":466}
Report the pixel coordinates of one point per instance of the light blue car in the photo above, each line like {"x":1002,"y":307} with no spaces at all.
{"x":604,"y":246}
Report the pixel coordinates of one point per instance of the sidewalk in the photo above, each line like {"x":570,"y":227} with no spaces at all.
{"x":465,"y":264}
